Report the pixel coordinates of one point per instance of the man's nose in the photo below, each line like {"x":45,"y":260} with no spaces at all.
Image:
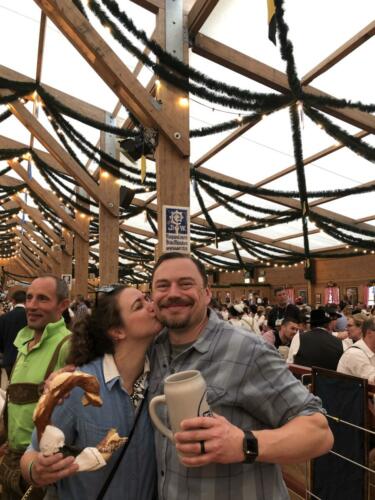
{"x":174,"y":289}
{"x":31,"y":304}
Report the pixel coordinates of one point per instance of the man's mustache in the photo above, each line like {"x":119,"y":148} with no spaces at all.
{"x":176,"y":302}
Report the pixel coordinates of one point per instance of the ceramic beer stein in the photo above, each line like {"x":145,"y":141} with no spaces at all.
{"x":185,"y":397}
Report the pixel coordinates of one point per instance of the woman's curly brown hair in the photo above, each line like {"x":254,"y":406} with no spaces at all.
{"x":90,"y":338}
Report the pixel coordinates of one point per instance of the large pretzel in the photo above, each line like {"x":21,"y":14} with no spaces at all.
{"x":60,"y":386}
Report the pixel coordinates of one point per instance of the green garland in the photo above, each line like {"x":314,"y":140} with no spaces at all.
{"x":106,"y":161}
{"x":355,"y":144}
{"x":6,"y":114}
{"x":256,"y":101}
{"x":257,"y":191}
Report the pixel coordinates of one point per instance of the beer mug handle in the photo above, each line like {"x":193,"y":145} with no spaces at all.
{"x":157,"y":400}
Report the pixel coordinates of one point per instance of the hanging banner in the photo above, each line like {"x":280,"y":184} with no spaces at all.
{"x":68,"y":280}
{"x":176,"y":229}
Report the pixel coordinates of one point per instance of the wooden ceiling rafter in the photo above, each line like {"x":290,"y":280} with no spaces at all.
{"x":49,"y":198}
{"x":59,"y":153}
{"x":111,"y":69}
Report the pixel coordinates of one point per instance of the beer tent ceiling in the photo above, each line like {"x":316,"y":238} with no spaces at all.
{"x":263,"y":155}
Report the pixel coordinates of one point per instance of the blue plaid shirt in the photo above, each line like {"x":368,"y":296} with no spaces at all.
{"x":87,"y":425}
{"x":250,"y":385}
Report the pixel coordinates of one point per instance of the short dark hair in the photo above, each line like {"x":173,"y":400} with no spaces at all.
{"x":62,"y":290}
{"x":286,"y":321}
{"x":90,"y":338}
{"x":368,"y":324}
{"x":19,"y":296}
{"x":180,"y":255}
{"x":277,"y":290}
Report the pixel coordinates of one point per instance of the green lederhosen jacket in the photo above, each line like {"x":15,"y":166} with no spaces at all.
{"x":31,"y":367}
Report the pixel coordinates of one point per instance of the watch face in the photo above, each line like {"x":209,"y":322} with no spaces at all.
{"x":250,"y":447}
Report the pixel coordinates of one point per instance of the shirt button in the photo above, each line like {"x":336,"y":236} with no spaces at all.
{"x":162,"y":473}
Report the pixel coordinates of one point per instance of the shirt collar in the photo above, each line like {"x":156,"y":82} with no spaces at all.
{"x":203,"y":342}
{"x":111,"y":373}
{"x":26,"y":334}
{"x":19,"y":305}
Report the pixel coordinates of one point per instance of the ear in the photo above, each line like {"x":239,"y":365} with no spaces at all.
{"x":64,"y":304}
{"x":117,"y":333}
{"x":208,"y":295}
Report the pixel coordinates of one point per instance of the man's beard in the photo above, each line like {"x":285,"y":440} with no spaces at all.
{"x":174,"y":324}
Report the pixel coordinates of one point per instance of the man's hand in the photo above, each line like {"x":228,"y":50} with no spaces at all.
{"x":47,"y":470}
{"x":222,"y":441}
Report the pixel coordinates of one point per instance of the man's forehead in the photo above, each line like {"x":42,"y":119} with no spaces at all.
{"x":43,"y":284}
{"x":177,"y":269}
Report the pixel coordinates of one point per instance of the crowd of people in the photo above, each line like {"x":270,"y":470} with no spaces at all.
{"x":342,"y":334}
{"x":130,"y":342}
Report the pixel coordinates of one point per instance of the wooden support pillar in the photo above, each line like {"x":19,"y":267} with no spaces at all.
{"x":81,"y":258}
{"x":56,"y":261}
{"x":173,"y":171}
{"x":108,"y":222}
{"x":67,"y":252}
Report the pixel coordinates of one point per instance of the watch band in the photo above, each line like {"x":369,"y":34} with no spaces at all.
{"x":250,"y":447}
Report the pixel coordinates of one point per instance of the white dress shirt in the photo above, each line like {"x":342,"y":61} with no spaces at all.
{"x":359,"y":361}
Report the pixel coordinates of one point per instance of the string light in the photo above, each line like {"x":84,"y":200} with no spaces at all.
{"x":184,"y":102}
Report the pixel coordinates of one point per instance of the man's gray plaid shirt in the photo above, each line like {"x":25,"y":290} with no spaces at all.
{"x":250,"y":385}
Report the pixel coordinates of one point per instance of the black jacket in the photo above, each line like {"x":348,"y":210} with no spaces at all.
{"x":319,"y":347}
{"x":10,"y":324}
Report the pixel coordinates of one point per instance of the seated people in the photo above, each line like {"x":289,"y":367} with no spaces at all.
{"x":284,"y":336}
{"x":318,"y":347}
{"x":111,"y":344}
{"x":359,"y":359}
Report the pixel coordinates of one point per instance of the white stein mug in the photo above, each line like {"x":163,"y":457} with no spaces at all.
{"x":185,"y":397}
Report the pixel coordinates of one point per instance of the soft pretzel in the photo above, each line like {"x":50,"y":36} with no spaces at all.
{"x":110,"y":443}
{"x":60,"y":386}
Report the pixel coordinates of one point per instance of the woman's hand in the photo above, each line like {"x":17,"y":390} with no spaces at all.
{"x":47,"y":470}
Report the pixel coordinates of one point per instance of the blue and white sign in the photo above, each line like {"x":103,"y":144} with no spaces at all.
{"x":176,"y":224}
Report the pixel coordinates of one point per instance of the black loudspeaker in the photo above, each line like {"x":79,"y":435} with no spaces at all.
{"x":126,"y":196}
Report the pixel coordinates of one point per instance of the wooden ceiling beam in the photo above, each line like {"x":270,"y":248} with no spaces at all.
{"x":34,"y":214}
{"x":111,"y":69}
{"x":226,"y":141}
{"x":49,"y":198}
{"x":25,"y":266}
{"x":7,"y":143}
{"x":150,"y":5}
{"x":266,"y":75}
{"x":199,"y":13}
{"x":82,"y":107}
{"x":29,"y":229}
{"x":59,"y":153}
{"x":34,"y":249}
{"x":356,"y":41}
{"x":310,"y":159}
{"x":288,"y":202}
